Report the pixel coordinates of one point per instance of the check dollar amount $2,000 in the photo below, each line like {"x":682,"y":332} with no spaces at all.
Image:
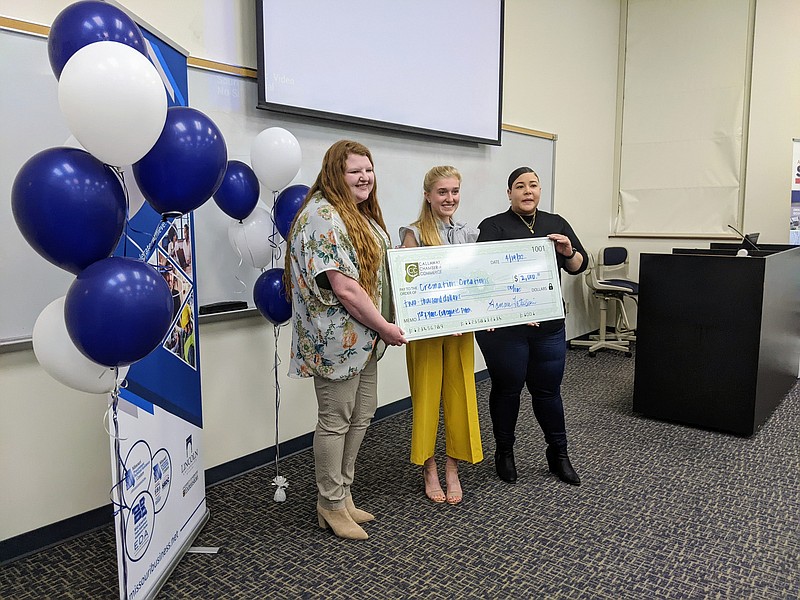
{"x":441,"y":290}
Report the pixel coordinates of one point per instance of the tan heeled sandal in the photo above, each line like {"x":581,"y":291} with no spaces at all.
{"x":454,"y":492}
{"x":341,"y":522}
{"x":433,"y":489}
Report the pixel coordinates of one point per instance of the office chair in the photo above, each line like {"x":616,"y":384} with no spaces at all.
{"x":612,"y":268}
{"x":608,"y":291}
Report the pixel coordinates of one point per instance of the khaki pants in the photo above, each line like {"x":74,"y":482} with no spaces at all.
{"x":444,"y":368}
{"x":345,"y":409}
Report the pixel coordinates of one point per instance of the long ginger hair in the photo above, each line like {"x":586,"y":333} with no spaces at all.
{"x":331,"y":185}
{"x":427,"y":223}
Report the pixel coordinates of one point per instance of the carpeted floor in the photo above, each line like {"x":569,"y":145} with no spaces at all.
{"x":665,"y":511}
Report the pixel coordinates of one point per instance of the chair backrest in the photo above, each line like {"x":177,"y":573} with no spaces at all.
{"x":612,"y":263}
{"x":596,"y":283}
{"x":590,"y":274}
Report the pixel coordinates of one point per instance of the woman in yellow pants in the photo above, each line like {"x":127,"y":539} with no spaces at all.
{"x":442,"y":367}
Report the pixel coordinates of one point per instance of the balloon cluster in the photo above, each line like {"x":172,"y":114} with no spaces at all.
{"x":71,"y":204}
{"x":275,"y":155}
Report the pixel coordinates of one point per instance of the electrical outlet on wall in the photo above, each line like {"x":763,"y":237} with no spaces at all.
{"x":566,"y":308}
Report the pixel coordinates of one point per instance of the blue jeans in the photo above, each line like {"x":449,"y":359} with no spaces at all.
{"x":531,"y":356}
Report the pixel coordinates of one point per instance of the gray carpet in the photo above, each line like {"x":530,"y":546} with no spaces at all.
{"x":665,"y":511}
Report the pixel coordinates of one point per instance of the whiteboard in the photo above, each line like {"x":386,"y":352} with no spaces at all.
{"x":32,"y":122}
{"x":401,"y":161}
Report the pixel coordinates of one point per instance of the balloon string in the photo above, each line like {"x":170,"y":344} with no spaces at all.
{"x":239,"y":270}
{"x":275,"y":245}
{"x":112,"y":408}
{"x":116,"y":489}
{"x":249,"y":251}
{"x":120,"y":173}
{"x":279,"y":481}
{"x":275,"y":364}
{"x":121,"y":177}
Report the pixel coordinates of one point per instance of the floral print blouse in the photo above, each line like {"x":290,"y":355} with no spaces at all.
{"x":327,"y":341}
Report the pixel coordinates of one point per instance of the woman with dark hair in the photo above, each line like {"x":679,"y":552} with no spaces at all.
{"x":531,"y":355}
{"x":441,"y":370}
{"x":337,"y":277}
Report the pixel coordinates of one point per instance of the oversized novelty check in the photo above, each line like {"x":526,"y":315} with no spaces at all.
{"x":440,"y":290}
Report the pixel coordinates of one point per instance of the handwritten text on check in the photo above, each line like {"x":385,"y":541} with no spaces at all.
{"x":441,"y":290}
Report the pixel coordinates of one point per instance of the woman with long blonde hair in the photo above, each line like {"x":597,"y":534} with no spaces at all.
{"x":341,"y":320}
{"x":442,"y":368}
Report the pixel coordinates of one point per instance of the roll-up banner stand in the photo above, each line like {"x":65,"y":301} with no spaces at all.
{"x":156,"y":447}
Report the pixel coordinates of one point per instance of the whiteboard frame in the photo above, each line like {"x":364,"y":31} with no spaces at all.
{"x":240,"y":121}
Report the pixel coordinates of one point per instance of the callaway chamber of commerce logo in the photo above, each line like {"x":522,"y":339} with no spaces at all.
{"x":412,"y":271}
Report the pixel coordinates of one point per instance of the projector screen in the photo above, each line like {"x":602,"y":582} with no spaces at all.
{"x":424,"y":66}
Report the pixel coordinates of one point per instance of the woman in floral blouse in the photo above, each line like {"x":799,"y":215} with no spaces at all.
{"x":341,"y":320}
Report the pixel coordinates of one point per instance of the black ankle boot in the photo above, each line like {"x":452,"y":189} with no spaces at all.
{"x":559,"y":464}
{"x":504,"y":464}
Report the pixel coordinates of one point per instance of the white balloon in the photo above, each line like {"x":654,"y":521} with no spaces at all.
{"x":135,"y":198}
{"x":275,"y":156}
{"x":251,"y":238}
{"x":114,"y":101}
{"x":59,"y":357}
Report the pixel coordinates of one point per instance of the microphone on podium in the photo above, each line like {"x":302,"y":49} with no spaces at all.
{"x":749,"y":239}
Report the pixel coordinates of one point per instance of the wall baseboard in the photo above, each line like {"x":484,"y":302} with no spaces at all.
{"x":51,"y":535}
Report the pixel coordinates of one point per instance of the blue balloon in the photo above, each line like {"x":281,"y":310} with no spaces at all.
{"x":118,"y":310}
{"x":269,"y":295}
{"x":84,"y":23}
{"x":185,"y":166}
{"x":238,"y":193}
{"x":69,"y":206}
{"x":289,"y":202}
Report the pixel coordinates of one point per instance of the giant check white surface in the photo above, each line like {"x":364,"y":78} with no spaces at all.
{"x":439,"y":290}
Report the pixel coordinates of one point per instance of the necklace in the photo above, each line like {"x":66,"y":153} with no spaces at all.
{"x":528,"y":225}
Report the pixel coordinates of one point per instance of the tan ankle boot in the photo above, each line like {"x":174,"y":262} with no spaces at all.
{"x":341,"y":522}
{"x":359,"y":516}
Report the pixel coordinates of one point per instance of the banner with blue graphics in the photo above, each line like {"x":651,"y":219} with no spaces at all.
{"x":794,"y":219}
{"x":156,"y":450}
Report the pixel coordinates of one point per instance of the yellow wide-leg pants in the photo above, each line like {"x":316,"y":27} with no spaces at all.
{"x":444,"y":367}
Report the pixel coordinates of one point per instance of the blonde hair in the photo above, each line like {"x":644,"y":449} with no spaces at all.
{"x":427,"y":223}
{"x":330,"y":184}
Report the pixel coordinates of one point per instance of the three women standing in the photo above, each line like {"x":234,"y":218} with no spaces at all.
{"x":442,"y":367}
{"x":338,"y":280}
{"x":341,"y":320}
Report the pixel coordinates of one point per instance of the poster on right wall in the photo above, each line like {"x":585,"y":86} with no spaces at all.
{"x":794,"y":218}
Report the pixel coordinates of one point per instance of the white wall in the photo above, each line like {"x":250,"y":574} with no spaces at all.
{"x":774,"y":118}
{"x":560,"y":76}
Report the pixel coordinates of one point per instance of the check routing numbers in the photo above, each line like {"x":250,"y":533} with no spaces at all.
{"x":440,"y":290}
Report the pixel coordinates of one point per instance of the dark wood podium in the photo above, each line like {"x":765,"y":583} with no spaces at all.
{"x":718,"y":336}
